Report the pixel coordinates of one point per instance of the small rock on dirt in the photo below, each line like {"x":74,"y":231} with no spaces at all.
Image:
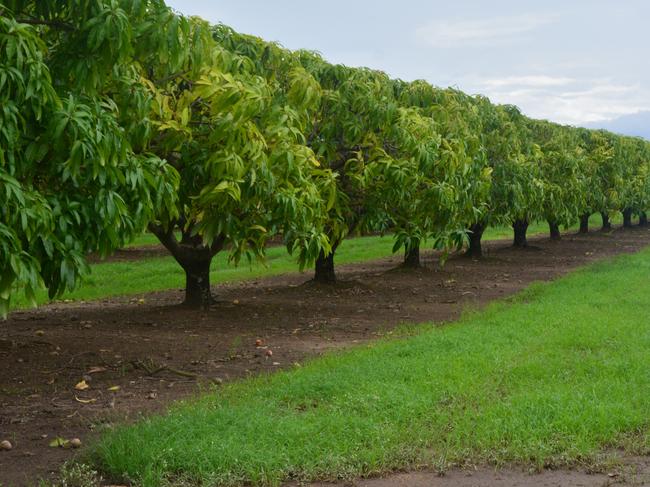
{"x":6,"y":445}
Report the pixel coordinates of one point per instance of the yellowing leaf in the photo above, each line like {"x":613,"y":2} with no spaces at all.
{"x":85,"y":401}
{"x":81,"y":386}
{"x":114,"y":388}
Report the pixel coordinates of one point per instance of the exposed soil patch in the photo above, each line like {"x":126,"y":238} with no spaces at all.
{"x":633,"y":472}
{"x":157,"y":352}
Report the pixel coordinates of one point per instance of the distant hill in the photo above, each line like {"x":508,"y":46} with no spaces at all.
{"x":637,"y":124}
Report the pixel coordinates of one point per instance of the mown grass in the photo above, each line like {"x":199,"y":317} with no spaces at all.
{"x":133,"y":278}
{"x":547,"y":378}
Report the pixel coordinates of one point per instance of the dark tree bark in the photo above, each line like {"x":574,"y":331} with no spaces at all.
{"x":324,"y":265}
{"x":475,"y":234}
{"x":324,"y":270}
{"x":554,"y":230}
{"x":584,"y":223}
{"x":520,"y":228}
{"x":197,"y":283}
{"x":195,"y":257}
{"x":607,"y":225}
{"x":627,"y":217}
{"x":643,"y":219}
{"x":412,"y":256}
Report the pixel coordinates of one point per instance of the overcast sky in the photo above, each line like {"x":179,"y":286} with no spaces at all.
{"x":571,"y":61}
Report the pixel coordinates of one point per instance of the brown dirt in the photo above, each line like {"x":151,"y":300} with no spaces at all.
{"x":633,"y":472}
{"x":47,"y":351}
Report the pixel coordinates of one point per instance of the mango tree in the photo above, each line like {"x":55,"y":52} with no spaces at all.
{"x":630,"y":152}
{"x":76,"y":171}
{"x":418,"y":187}
{"x":513,"y":190}
{"x":643,"y":181}
{"x":233,"y":129}
{"x":559,"y":170}
{"x":517,"y":189}
{"x":348,"y":131}
{"x":461,"y":161}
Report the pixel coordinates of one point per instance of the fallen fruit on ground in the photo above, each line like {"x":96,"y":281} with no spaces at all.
{"x":59,"y":443}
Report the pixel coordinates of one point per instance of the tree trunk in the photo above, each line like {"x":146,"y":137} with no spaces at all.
{"x":643,"y":219}
{"x":584,"y":223}
{"x":475,"y":234}
{"x":197,"y":283}
{"x":520,"y":227}
{"x":325,"y":268}
{"x":627,"y":217}
{"x":606,"y":223}
{"x":195,"y":257}
{"x":554,"y":230}
{"x":412,"y":256}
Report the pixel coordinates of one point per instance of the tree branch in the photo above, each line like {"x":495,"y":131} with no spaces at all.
{"x":180,"y":74}
{"x":167,"y":238}
{"x":217,"y":245}
{"x":50,"y":23}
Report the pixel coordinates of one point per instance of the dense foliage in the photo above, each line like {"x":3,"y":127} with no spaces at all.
{"x":76,"y":171}
{"x":117,"y":115}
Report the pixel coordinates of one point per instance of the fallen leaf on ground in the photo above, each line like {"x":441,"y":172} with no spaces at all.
{"x":85,"y":401}
{"x":95,"y":370}
{"x":81,"y":386}
{"x":113,"y":388}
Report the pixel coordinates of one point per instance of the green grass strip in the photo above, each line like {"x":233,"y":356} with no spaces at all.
{"x":549,"y":377}
{"x":135,"y":278}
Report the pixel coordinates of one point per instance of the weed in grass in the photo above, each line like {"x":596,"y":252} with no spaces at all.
{"x":235,"y":346}
{"x":404,"y":330}
{"x":74,"y":474}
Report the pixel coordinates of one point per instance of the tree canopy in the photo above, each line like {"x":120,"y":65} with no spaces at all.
{"x":76,"y":171}
{"x":121,"y":115}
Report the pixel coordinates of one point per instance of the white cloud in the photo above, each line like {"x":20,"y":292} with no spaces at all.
{"x":567,"y":100}
{"x":480,"y":32}
{"x":533,"y":81}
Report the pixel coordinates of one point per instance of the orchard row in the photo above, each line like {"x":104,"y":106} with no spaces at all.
{"x":116,"y":116}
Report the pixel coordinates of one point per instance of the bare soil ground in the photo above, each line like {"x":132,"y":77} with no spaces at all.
{"x":157,"y":352}
{"x":632,"y":472}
